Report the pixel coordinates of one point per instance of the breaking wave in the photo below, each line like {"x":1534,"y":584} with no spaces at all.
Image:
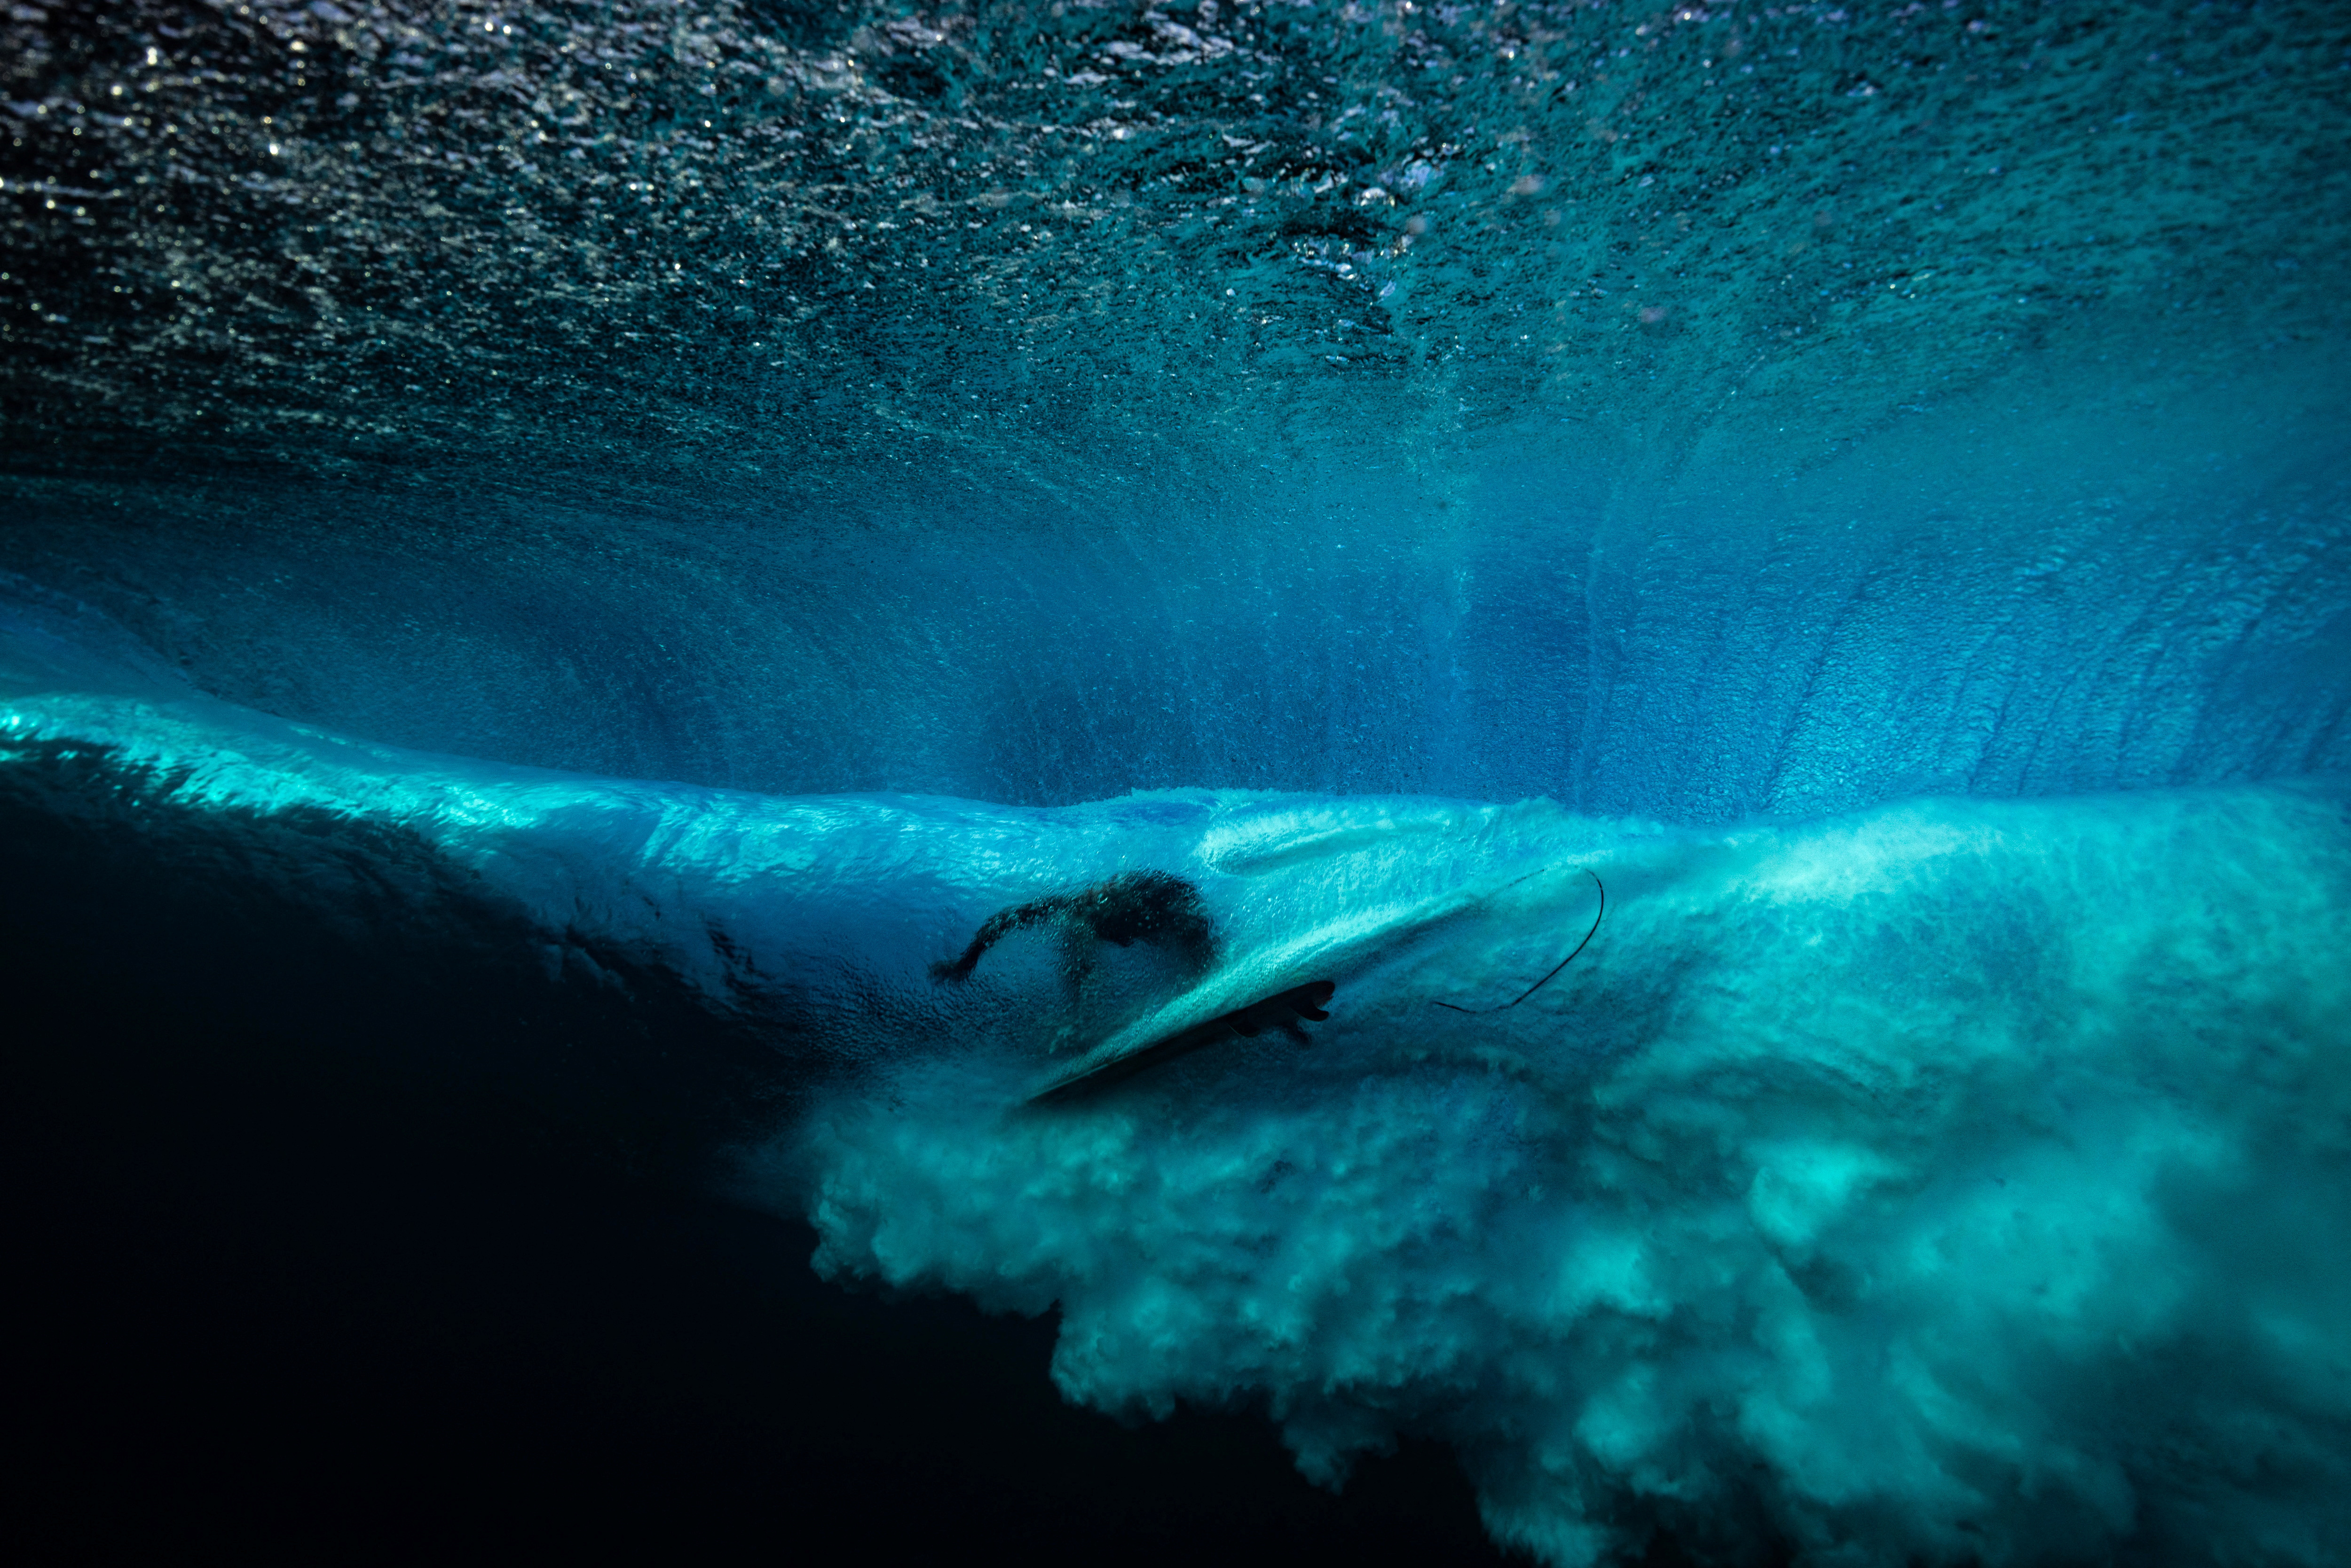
{"x":1957,"y":1180}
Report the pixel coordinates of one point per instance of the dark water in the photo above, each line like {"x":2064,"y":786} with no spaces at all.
{"x":369,"y":1243}
{"x":1880,"y":471}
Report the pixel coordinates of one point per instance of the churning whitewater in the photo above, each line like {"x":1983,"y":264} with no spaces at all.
{"x":1955,"y":1180}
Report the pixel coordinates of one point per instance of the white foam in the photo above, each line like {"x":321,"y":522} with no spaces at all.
{"x":1960,"y":1181}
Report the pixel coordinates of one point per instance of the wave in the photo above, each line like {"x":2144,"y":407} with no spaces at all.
{"x":1955,"y":1180}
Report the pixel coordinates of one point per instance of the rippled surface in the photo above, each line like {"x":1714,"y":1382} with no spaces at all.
{"x":1697,"y":412}
{"x":657,"y":235}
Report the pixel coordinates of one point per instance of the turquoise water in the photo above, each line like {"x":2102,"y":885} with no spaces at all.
{"x":754,"y":489}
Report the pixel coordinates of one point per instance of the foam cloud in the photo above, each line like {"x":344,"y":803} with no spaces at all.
{"x":1959,"y":1182}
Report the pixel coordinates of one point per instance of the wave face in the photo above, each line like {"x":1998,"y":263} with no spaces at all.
{"x":1749,"y":408}
{"x":1869,"y":484}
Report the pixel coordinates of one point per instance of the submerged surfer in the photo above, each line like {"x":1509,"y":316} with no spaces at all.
{"x":1155,"y":906}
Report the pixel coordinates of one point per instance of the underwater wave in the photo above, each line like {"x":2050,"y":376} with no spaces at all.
{"x":1956,"y":1180}
{"x":1867,"y":483}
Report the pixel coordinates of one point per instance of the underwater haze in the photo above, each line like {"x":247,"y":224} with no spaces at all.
{"x":632,"y":532}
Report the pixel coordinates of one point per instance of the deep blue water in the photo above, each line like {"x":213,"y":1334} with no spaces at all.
{"x":554,"y":559}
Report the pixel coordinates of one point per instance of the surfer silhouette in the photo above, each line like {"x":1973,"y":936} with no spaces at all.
{"x":1153,"y":907}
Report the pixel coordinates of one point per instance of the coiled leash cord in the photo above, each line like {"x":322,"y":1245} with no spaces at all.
{"x":1555,"y":968}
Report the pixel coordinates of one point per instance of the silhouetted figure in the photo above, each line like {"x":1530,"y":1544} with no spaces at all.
{"x":1153,"y":907}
